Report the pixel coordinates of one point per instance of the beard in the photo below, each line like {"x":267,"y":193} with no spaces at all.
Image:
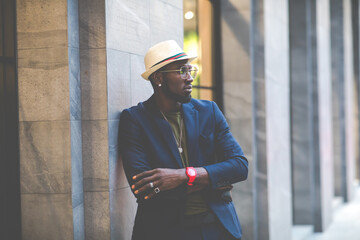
{"x":174,"y":96}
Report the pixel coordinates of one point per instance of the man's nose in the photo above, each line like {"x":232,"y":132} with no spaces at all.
{"x":189,"y":78}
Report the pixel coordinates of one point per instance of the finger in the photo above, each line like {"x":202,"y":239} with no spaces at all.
{"x":143,"y":174}
{"x":150,"y":195}
{"x":144,"y":181}
{"x":144,"y":188}
{"x":147,"y":188}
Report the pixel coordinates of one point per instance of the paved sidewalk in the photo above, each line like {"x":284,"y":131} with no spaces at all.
{"x":346,"y":222}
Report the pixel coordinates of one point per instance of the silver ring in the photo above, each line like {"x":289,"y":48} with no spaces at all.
{"x":156,"y":190}
{"x":151,"y":185}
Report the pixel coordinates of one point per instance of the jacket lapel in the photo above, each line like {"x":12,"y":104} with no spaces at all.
{"x":164,"y":128}
{"x":191,"y":119}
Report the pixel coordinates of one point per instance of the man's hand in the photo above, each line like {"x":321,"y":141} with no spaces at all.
{"x":162,"y":178}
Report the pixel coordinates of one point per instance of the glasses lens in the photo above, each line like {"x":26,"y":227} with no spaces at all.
{"x":193,"y":73}
{"x":192,"y":70}
{"x":184,"y":70}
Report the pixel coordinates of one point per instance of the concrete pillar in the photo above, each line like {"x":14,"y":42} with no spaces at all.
{"x":271,"y":148}
{"x":131,"y":28}
{"x":337,"y":57}
{"x":349,"y":102}
{"x":355,"y":30}
{"x":75,"y":117}
{"x":302,"y":142}
{"x":343,"y":100}
{"x":235,"y":32}
{"x":260,"y":189}
{"x":95,"y":147}
{"x":323,"y":165}
{"x":247,"y":105}
{"x":47,"y":128}
{"x":276,"y":32}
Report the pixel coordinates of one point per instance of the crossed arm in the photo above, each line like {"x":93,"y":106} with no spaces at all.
{"x":166,"y":179}
{"x":233,"y":168}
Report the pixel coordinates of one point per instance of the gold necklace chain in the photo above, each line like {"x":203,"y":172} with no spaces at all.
{"x":177,"y":142}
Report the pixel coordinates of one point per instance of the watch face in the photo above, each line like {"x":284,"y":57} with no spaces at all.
{"x":191,"y":172}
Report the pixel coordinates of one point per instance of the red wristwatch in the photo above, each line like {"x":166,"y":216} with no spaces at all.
{"x":191,"y":173}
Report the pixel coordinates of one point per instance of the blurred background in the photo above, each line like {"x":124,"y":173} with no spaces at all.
{"x":284,"y":72}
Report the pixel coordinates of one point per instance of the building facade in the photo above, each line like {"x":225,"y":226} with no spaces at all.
{"x":284,"y":72}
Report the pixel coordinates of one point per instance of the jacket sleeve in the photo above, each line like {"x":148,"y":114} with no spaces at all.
{"x":131,"y":146}
{"x":233,"y":166}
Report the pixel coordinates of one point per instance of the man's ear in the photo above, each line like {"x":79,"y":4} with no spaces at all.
{"x":157,"y":78}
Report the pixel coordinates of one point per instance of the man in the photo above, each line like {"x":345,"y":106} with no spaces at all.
{"x":179,"y":156}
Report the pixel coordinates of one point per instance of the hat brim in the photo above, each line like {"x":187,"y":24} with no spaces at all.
{"x":147,"y":73}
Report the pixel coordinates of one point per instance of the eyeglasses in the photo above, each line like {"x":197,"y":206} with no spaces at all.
{"x":184,"y":70}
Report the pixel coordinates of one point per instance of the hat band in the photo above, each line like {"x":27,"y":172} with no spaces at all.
{"x":177,"y":56}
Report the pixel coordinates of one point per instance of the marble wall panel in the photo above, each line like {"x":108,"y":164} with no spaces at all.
{"x":118,"y":81}
{"x":324,"y":165}
{"x":238,"y":97}
{"x":116,"y":171}
{"x":237,"y":6}
{"x":93,"y":84}
{"x":175,"y":3}
{"x":166,"y":22}
{"x":95,"y":152}
{"x":92,"y":24}
{"x":235,"y":30}
{"x":73,"y":23}
{"x":243,"y":195}
{"x":97,"y":220}
{"x":43,"y":96}
{"x":278,"y":115}
{"x":45,"y":154}
{"x":122,"y":210}
{"x":141,"y":89}
{"x":241,"y":130}
{"x":47,"y":29}
{"x":46,"y":216}
{"x":128,"y":25}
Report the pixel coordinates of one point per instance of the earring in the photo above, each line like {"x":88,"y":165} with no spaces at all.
{"x":159,"y":84}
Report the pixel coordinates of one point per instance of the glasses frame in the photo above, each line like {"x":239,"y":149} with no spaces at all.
{"x":184,"y":75}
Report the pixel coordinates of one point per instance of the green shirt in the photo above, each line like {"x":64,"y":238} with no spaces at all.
{"x":195,"y":201}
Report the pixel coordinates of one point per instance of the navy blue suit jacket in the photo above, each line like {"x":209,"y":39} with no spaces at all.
{"x":146,"y":142}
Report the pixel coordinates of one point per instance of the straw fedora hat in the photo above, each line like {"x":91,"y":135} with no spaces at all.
{"x":162,"y":54}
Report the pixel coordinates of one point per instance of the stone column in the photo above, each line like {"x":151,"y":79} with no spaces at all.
{"x":342,"y":65}
{"x":323,"y":165}
{"x":131,"y":28}
{"x":349,"y":103}
{"x":235,"y":32}
{"x":337,"y":59}
{"x":277,"y":87}
{"x":356,"y":55}
{"x":302,"y":141}
{"x":261,"y":129}
{"x":48,"y":125}
{"x":95,"y":154}
{"x":271,"y":137}
{"x":75,"y":117}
